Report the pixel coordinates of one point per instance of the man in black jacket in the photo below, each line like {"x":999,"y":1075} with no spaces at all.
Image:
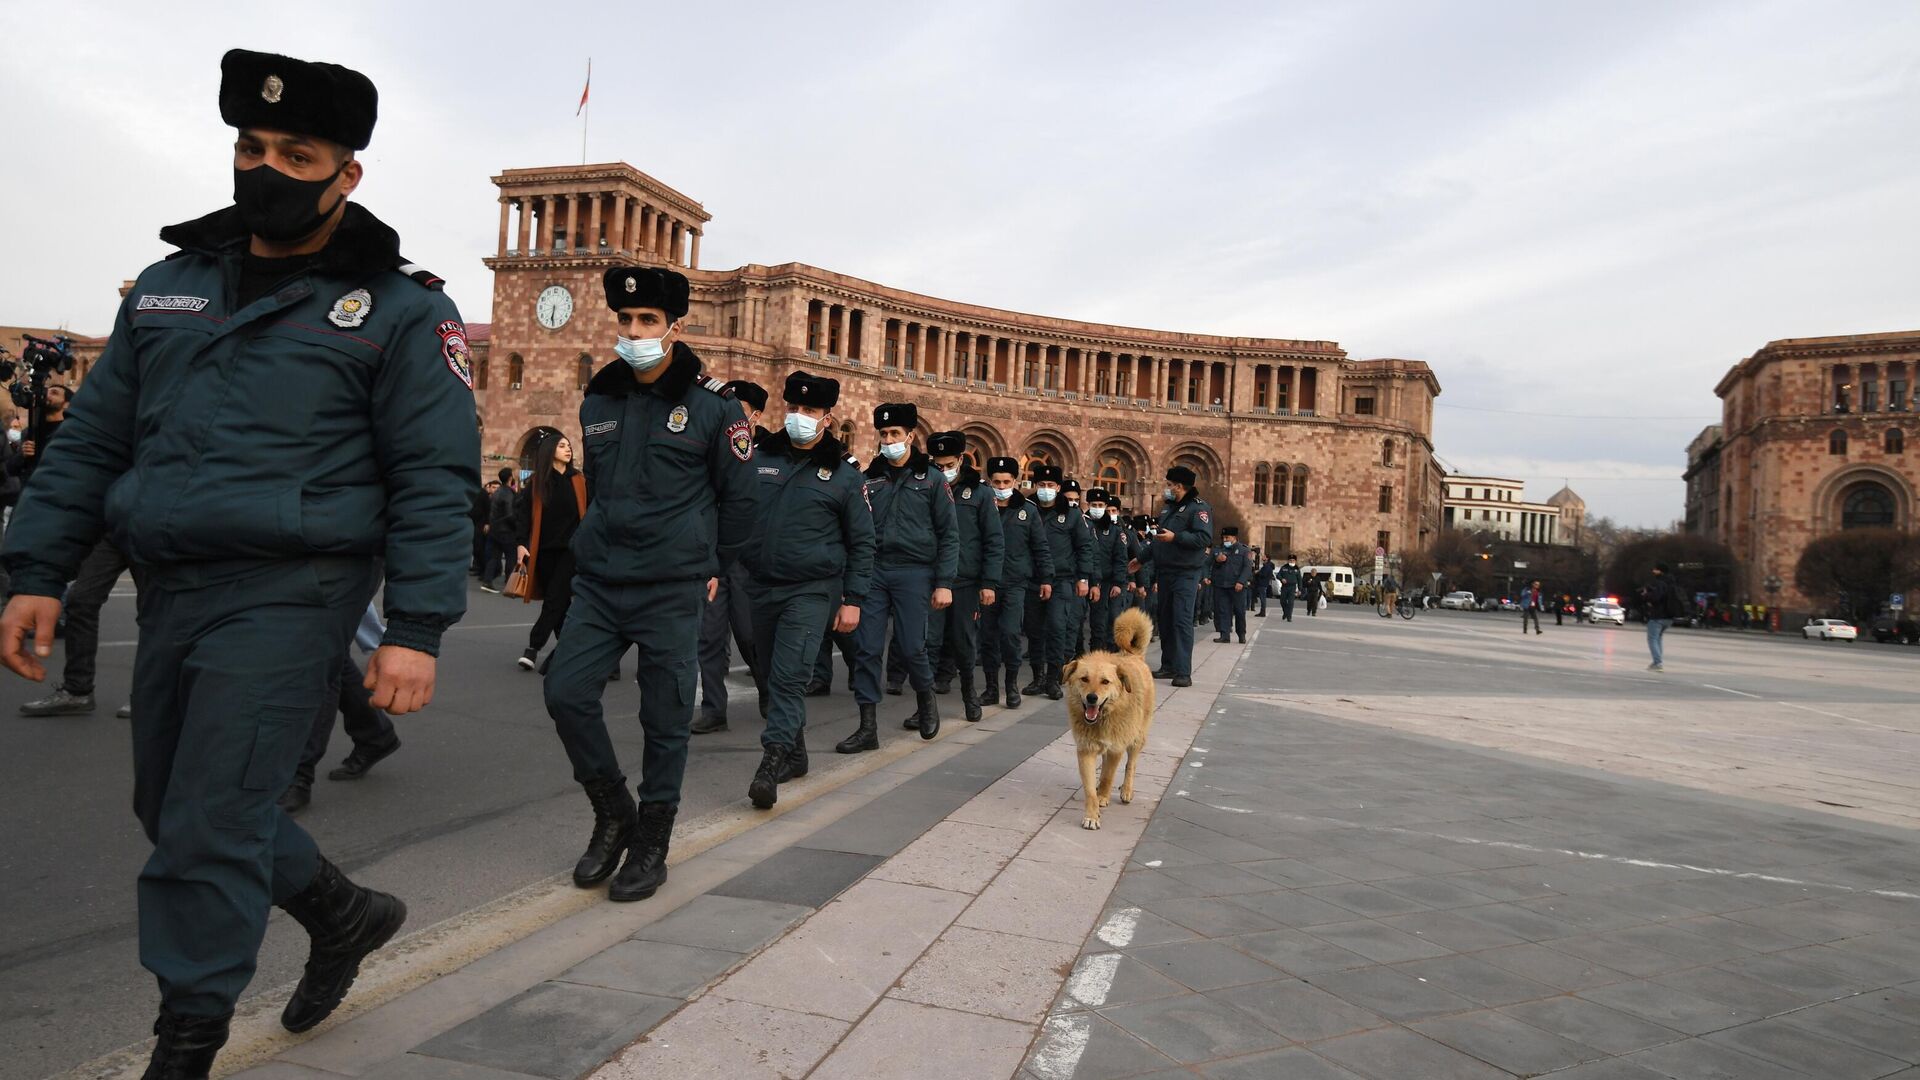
{"x":955,"y":631}
{"x":668,"y":457}
{"x":501,"y":530}
{"x":284,"y":407}
{"x":1664,"y":604}
{"x":1182,"y":537}
{"x":730,"y":612}
{"x":1026,"y":577}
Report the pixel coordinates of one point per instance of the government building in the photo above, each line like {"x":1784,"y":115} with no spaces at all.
{"x":1812,"y":439}
{"x":1302,"y":447}
{"x":1491,"y":504}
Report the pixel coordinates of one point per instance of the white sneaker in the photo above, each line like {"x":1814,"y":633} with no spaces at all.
{"x":1655,"y":667}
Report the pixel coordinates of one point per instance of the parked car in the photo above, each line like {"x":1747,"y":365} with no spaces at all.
{"x":1458,"y":601}
{"x":1605,"y":611}
{"x":1830,"y":630}
{"x":1899,"y":628}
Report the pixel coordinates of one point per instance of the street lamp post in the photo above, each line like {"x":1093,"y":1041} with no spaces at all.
{"x":1772,"y":585}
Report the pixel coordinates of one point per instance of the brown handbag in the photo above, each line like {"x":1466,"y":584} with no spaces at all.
{"x":519,"y":583}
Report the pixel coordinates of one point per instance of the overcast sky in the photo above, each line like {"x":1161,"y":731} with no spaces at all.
{"x":1579,"y":215}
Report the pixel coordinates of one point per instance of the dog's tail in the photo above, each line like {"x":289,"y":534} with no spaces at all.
{"x":1132,"y":630}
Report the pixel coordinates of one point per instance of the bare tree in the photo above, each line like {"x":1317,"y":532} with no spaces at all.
{"x":1853,"y":571}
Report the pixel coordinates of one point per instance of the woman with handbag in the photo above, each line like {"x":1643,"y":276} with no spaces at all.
{"x":546,"y":513}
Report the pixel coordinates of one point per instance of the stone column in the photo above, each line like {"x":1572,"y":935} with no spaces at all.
{"x":617,"y":231}
{"x":573,"y":222}
{"x":1293,"y":392}
{"x":593,"y":225}
{"x":526,"y":226}
{"x":928,"y":361}
{"x":846,"y":325}
{"x":636,"y":237}
{"x":546,"y":228}
{"x":693,"y":258}
{"x":506,"y":211}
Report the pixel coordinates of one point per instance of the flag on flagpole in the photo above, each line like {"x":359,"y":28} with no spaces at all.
{"x":584,"y":91}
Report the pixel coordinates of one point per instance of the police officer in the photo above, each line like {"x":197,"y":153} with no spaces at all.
{"x":1230,"y":576}
{"x":1026,"y":579}
{"x":729,"y":611}
{"x":283,"y":406}
{"x":1181,"y":538}
{"x":811,"y":557}
{"x":1288,"y":580}
{"x":916,"y":558}
{"x":1072,"y":546}
{"x":668,"y":459}
{"x":982,"y":549}
{"x":1145,"y":596}
{"x":1108,"y":574}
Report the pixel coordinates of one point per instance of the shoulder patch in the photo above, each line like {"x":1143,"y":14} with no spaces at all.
{"x":715,"y":386}
{"x":740,"y":439}
{"x":422,"y":276}
{"x":453,"y":346}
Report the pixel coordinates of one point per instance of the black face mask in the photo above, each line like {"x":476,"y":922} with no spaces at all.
{"x":275,"y":206}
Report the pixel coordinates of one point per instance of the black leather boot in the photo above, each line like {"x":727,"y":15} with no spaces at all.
{"x":297,"y":796}
{"x":361,"y":760}
{"x":646,"y":867}
{"x":613,"y":818}
{"x":797,"y":757}
{"x":186,"y":1046}
{"x":969,"y":698}
{"x":1039,"y":683}
{"x":991,"y":694}
{"x":912,"y":722}
{"x":1013,"y":688}
{"x":929,"y":713}
{"x":764,"y":790}
{"x":865,"y":737}
{"x":346,"y":922}
{"x":1054,"y":690}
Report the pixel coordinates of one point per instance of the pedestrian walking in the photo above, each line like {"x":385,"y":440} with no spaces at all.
{"x":1531,"y":599}
{"x":1663,"y":605}
{"x":1051,"y":640}
{"x":1183,"y":534}
{"x":548,"y":512}
{"x":1560,"y":609}
{"x":810,"y":562}
{"x":92,"y":586}
{"x":955,"y":632}
{"x":1026,"y":579}
{"x":1286,"y":580}
{"x":1263,"y":584}
{"x":1110,"y":553}
{"x":669,"y":457}
{"x":283,"y":405}
{"x":371,"y":729}
{"x":1311,"y":590}
{"x":501,"y":531}
{"x":1232,"y":570}
{"x":730,"y":612}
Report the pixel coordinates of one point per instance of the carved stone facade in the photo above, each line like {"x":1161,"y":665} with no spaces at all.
{"x":1812,"y":439}
{"x":1295,"y":442}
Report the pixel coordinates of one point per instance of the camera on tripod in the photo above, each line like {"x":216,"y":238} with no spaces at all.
{"x":42,"y":358}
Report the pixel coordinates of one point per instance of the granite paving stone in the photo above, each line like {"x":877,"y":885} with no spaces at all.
{"x":1298,"y":1010}
{"x":652,"y":967}
{"x":1677,"y":1009}
{"x":1001,"y":975}
{"x":900,"y":1038}
{"x":1194,"y":1028}
{"x":1702,"y":1059}
{"x":1592,"y":1024}
{"x":1391,"y":994}
{"x":1378,"y":942}
{"x":1085,"y":1046}
{"x":1112,"y":978}
{"x":1398,"y":1054}
{"x":555,"y":1030}
{"x":798,"y":875}
{"x":1867,"y":1030}
{"x":1477,"y":980}
{"x":1204,"y":965}
{"x":1293,"y":1063}
{"x":715,"y":1038}
{"x":1508,"y":1043}
{"x":1816,"y":1055}
{"x":733,"y":923}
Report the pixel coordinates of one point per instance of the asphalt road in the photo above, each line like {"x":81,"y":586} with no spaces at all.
{"x":480,"y":802}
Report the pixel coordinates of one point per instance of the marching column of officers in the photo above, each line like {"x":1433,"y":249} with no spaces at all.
{"x":282,"y":425}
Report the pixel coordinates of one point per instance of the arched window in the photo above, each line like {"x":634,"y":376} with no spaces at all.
{"x":1299,"y":485}
{"x":585,"y":364}
{"x":1113,"y":477}
{"x":480,"y":374}
{"x":1386,"y":452}
{"x":1262,"y":474}
{"x":514,"y":371}
{"x":1896,"y":441}
{"x":1837,"y":443}
{"x":1866,"y":505}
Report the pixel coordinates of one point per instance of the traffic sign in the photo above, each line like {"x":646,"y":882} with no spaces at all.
{"x":1897,"y":601}
{"x":1379,"y":552}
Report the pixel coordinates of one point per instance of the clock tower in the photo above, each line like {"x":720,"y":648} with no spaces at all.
{"x":561,"y":228}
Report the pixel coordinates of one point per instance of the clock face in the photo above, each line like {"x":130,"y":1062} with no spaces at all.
{"x":554,"y":307}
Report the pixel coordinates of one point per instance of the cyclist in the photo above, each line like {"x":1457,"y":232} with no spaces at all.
{"x":1389,"y":594}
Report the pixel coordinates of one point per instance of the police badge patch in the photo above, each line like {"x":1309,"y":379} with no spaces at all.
{"x":1023,"y":515}
{"x":453,"y":346}
{"x":825,"y":474}
{"x":352,"y":309}
{"x":967,"y":494}
{"x":1203,"y":517}
{"x":677,"y":419}
{"x":740,"y":439}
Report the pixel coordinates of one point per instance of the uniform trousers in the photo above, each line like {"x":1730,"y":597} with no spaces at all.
{"x":1100,"y":618}
{"x":789,"y":622}
{"x":1001,"y":626}
{"x":662,"y":618}
{"x":1229,"y":612}
{"x":904,"y":594}
{"x":1064,"y":613}
{"x":730,"y":611}
{"x":823,"y":665}
{"x":1034,"y":625}
{"x":234,"y":658}
{"x":1176,"y":619}
{"x":347,"y":694}
{"x":955,"y":632}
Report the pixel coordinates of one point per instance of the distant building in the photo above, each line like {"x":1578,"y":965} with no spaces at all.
{"x":1493,"y":505}
{"x":1812,"y":440}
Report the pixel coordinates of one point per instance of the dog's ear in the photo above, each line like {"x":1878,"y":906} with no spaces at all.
{"x":1067,"y":672}
{"x":1125,"y":683}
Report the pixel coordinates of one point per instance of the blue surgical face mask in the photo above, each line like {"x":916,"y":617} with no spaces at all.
{"x":641,"y":353}
{"x":1226,"y":543}
{"x":1096,"y":512}
{"x":893,"y":451}
{"x":951,"y":474}
{"x":1002,"y":494}
{"x":801,"y":428}
{"x":1167,"y":495}
{"x":1045,"y":495}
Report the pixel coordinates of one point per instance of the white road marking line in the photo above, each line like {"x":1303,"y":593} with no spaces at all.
{"x":1728,"y":690}
{"x":1063,"y":1039}
{"x":1119,"y":928}
{"x":1228,"y":809}
{"x":1094,"y":981}
{"x":1153,"y":863}
{"x":1848,"y":719}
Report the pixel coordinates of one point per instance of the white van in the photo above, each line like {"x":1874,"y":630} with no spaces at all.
{"x":1335,"y":581}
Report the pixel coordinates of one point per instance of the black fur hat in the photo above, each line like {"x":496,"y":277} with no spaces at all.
{"x":646,"y":286}
{"x":299,"y":97}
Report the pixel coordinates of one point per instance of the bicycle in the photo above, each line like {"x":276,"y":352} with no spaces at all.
{"x":1402,"y":607}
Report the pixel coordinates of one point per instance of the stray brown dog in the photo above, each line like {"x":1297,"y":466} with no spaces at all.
{"x":1109,"y":708}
